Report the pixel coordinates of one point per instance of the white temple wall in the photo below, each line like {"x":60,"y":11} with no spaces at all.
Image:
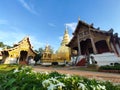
{"x":118,"y":48}
{"x":106,"y":58}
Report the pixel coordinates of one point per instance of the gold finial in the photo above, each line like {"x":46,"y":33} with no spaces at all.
{"x":47,"y":44}
{"x":79,"y":18}
{"x":27,"y":36}
{"x":66,"y":30}
{"x":66,"y":26}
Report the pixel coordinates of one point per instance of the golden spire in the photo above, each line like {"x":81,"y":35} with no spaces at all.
{"x":79,"y":18}
{"x":65,"y":37}
{"x":66,"y":30}
{"x":63,"y":49}
{"x":47,"y":48}
{"x":66,"y":27}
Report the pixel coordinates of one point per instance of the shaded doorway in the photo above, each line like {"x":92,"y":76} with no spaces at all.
{"x":102,"y":46}
{"x":86,"y":47}
{"x":23,"y":55}
{"x":5,"y":54}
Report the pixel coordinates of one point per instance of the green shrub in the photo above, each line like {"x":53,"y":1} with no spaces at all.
{"x":23,"y":78}
{"x":108,"y":67}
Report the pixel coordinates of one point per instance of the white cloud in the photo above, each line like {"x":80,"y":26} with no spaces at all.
{"x":27,"y":6}
{"x":10,"y":38}
{"x":12,"y":35}
{"x":61,"y":38}
{"x":2,"y":22}
{"x":51,"y":24}
{"x":35,"y":43}
{"x":72,"y":25}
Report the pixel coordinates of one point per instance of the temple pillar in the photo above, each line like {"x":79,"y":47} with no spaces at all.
{"x":93,"y":46}
{"x":110,"y":49}
{"x":118,"y":49}
{"x":79,"y":48}
{"x":114,"y":45}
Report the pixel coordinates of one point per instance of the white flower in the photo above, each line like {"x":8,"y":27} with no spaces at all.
{"x":82,"y":86}
{"x":44,"y":73}
{"x":52,"y":84}
{"x":37,"y":78}
{"x":34,"y":71}
{"x":15,"y":71}
{"x":67,"y":76}
{"x":22,"y":68}
{"x":101,"y":87}
{"x":51,"y":87}
{"x":45,"y":83}
{"x":93,"y":87}
{"x":60,"y":85}
{"x":54,"y":80}
{"x":27,"y":73}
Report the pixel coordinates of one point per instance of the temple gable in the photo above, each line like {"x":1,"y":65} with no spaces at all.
{"x":90,"y":40}
{"x":22,"y":51}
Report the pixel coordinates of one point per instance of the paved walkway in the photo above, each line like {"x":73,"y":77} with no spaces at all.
{"x":115,"y":78}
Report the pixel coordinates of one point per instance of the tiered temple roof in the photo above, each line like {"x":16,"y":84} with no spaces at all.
{"x":86,"y":36}
{"x":23,"y":45}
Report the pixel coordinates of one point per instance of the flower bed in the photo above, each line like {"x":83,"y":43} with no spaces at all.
{"x":23,"y":78}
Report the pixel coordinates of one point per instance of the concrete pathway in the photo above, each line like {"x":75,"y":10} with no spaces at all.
{"x":115,"y":78}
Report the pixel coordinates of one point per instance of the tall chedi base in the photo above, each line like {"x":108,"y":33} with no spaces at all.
{"x":64,"y":51}
{"x":61,"y":56}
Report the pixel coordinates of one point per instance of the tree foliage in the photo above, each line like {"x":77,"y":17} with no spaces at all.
{"x":39,"y":54}
{"x":2,"y":45}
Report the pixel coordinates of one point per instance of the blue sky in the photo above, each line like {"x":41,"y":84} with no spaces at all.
{"x":44,"y":20}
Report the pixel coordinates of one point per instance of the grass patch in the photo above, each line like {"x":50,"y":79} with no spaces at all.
{"x":93,"y":68}
{"x":4,"y":68}
{"x":88,"y":69}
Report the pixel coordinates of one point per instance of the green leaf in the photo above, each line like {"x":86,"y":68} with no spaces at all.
{"x":14,"y":88}
{"x":10,"y":82}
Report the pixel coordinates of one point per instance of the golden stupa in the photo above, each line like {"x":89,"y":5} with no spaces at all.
{"x":61,"y":56}
{"x":63,"y":50}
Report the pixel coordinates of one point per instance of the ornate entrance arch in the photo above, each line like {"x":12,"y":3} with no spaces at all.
{"x":102,"y":46}
{"x":86,"y":47}
{"x":23,"y":55}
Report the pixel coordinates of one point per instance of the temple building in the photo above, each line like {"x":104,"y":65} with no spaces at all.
{"x":90,"y":40}
{"x":22,"y":51}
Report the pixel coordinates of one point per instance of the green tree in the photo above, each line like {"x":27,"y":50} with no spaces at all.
{"x":2,"y":44}
{"x":38,"y":55}
{"x":8,"y":46}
